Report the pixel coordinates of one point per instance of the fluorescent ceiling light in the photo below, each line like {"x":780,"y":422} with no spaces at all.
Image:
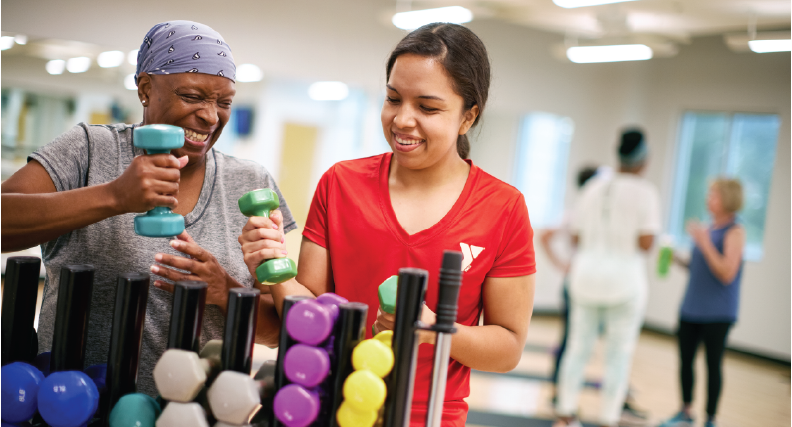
{"x":328,"y":91}
{"x":56,"y":66}
{"x":418,"y":18}
{"x":132,"y":57}
{"x":569,"y":4}
{"x":79,"y":64}
{"x":110,"y":59}
{"x":615,"y":53}
{"x":20,"y":39}
{"x":248,"y":73}
{"x":129,"y":82}
{"x":6,"y":42}
{"x":765,"y":46}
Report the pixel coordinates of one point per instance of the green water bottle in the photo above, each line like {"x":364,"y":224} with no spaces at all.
{"x":666,"y":256}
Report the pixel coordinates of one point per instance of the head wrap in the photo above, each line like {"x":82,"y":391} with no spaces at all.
{"x":184,"y":47}
{"x":633,"y":149}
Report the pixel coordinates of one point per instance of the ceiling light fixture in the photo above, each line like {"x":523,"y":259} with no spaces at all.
{"x":132,"y":57}
{"x":418,"y":18}
{"x":20,"y":39}
{"x":79,"y":64}
{"x":247,"y":73}
{"x":615,"y":53}
{"x":110,"y":59}
{"x":56,"y":66}
{"x":328,"y":91}
{"x":570,"y":4}
{"x":766,"y":46}
{"x":129,"y":82}
{"x":6,"y":42}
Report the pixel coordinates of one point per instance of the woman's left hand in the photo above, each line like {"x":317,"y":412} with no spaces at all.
{"x":200,"y":264}
{"x":697,"y":232}
{"x":386,"y":321}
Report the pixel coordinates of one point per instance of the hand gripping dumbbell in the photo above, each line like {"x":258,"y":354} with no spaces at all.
{"x":20,"y":387}
{"x":234,"y":397}
{"x":159,"y":139}
{"x":135,"y":410}
{"x":183,"y":415}
{"x":387,"y":297}
{"x":180,"y":374}
{"x":260,"y":203}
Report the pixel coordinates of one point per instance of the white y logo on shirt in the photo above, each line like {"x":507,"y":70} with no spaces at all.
{"x":469,"y":253}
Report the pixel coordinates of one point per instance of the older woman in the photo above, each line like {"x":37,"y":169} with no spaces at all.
{"x":78,"y":195}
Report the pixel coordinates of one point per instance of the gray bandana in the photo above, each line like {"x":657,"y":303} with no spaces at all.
{"x":185,"y":47}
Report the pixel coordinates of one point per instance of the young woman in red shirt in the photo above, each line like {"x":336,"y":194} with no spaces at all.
{"x":369,"y":217}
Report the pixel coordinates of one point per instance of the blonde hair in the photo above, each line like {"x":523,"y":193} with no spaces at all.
{"x":731,"y":193}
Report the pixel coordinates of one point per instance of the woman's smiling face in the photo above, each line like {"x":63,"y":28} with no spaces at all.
{"x":198,"y":103}
{"x":422,"y":115}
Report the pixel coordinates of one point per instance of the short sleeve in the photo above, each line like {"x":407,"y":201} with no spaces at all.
{"x":316,"y":224}
{"x":650,"y":222}
{"x":516,"y":256}
{"x":66,"y":159}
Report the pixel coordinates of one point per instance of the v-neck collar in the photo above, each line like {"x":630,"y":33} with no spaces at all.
{"x":390,"y":215}
{"x":207,"y":188}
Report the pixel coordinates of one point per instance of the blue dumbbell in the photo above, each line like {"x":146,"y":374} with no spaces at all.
{"x":98,"y":373}
{"x":42,"y":362}
{"x":159,"y":139}
{"x":135,"y":410}
{"x":68,"y":399}
{"x":20,"y":388}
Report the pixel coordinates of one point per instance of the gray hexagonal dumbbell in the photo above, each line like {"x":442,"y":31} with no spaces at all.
{"x":234,"y":397}
{"x":180,"y":375}
{"x":182,"y":415}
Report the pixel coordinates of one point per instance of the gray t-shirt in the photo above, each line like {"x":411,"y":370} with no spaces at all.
{"x":89,"y":155}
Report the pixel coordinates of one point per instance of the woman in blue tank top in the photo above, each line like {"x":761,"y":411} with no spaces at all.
{"x":712,"y":298}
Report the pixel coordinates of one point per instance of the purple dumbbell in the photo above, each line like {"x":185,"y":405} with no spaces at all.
{"x":311,"y":321}
{"x":296,"y":406}
{"x":305,"y":365}
{"x":67,"y":399}
{"x":20,"y":387}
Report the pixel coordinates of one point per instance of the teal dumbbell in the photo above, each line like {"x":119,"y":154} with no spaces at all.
{"x":260,"y":203}
{"x":135,"y":410}
{"x":159,"y":139}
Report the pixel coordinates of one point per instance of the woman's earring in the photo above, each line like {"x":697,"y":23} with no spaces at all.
{"x":143,"y":102}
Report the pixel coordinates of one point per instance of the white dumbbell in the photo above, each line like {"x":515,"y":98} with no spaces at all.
{"x":180,"y":375}
{"x":182,"y":415}
{"x":234,"y":397}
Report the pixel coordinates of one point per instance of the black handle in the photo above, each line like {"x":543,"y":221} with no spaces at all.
{"x":126,"y":336}
{"x":350,"y":330}
{"x":70,"y":334}
{"x":450,"y":280}
{"x":409,"y":302}
{"x":189,"y":300}
{"x":240,"y":330}
{"x":20,"y":289}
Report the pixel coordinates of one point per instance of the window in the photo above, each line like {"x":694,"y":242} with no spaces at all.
{"x":713,"y":144}
{"x":541,"y":165}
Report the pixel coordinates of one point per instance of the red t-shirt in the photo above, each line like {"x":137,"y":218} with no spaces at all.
{"x":352,"y":217}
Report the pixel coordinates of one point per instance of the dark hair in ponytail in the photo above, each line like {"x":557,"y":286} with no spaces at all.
{"x":464,"y":58}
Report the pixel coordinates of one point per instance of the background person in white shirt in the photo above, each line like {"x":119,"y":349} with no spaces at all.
{"x":614,"y":224}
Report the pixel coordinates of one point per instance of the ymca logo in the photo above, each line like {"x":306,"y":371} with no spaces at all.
{"x":469,"y":253}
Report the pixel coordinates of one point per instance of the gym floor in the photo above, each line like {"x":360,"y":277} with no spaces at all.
{"x":756,"y":392}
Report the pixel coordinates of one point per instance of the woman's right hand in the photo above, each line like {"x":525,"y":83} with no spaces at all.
{"x":262,"y":238}
{"x":148,"y":182}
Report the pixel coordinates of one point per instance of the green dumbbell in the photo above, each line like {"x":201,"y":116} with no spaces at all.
{"x":260,"y":203}
{"x":159,"y":139}
{"x":387,"y":297}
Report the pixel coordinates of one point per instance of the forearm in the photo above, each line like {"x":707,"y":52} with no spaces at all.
{"x":268,"y":323}
{"x":715,"y":261}
{"x":491,"y":348}
{"x":290,"y":287}
{"x":32,"y":219}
